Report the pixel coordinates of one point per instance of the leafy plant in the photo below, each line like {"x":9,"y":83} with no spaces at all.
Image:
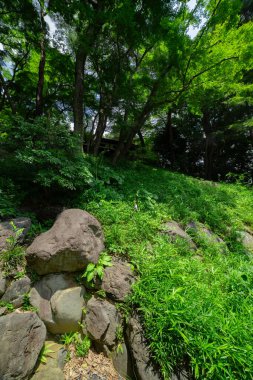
{"x":26,"y":303}
{"x":82,"y":346}
{"x":119,"y":339}
{"x":45,"y":353}
{"x":68,"y":338}
{"x":94,"y":270}
{"x":12,"y":240}
{"x":101,"y":293}
{"x":8,"y":305}
{"x":12,"y":259}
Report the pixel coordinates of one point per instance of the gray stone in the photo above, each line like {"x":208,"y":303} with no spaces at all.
{"x":21,"y":340}
{"x":204,"y":232}
{"x":59,"y":302}
{"x":122,"y":362}
{"x":6,"y":230}
{"x":144,"y":368}
{"x":101,"y":321}
{"x":117,"y":281}
{"x":61,"y":358}
{"x":247,"y":240}
{"x":2,"y":284}
{"x":75,"y":240}
{"x":174,"y":230}
{"x":49,"y":374}
{"x":15,"y":292}
{"x":67,"y":307}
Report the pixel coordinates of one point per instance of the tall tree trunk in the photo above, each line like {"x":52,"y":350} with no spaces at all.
{"x":122,"y":148}
{"x":101,"y":126}
{"x":209,"y":146}
{"x":40,"y":84}
{"x":169,"y":128}
{"x":141,"y":139}
{"x":7,"y":95}
{"x":78,"y":107}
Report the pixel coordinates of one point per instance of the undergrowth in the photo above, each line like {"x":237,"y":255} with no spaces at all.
{"x":196,"y":306}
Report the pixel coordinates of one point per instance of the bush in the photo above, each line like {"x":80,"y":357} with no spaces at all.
{"x":40,"y":153}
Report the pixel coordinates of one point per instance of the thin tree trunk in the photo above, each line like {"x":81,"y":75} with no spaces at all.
{"x":7,"y":95}
{"x":141,"y":139}
{"x":209,"y":146}
{"x":169,"y":128}
{"x":40,"y":85}
{"x":78,"y":107}
{"x":101,"y":126}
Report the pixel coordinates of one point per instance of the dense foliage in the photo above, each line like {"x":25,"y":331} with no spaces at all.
{"x":169,"y":82}
{"x":196,"y":306}
{"x":136,"y":71}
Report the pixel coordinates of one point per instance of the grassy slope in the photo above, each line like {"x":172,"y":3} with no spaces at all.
{"x":195,"y":309}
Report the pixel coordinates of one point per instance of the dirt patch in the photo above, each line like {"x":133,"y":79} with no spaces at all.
{"x":93,"y":364}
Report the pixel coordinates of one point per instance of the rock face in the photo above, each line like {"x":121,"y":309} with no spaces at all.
{"x":173,"y":229}
{"x":59,"y":302}
{"x":140,"y":353}
{"x":15,"y":292}
{"x":6,"y":230}
{"x":117,"y":281}
{"x":102,"y":321}
{"x":21,"y":339}
{"x":75,"y":239}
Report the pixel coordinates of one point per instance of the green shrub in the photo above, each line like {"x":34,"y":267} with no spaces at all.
{"x":41,"y":152}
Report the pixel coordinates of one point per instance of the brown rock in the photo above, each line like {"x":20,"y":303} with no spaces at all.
{"x":101,"y":321}
{"x":117,"y":281}
{"x":75,"y":240}
{"x":21,"y":339}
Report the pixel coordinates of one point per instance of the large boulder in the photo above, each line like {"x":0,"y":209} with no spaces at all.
{"x":21,"y":339}
{"x":6,"y":230}
{"x":59,"y":301}
{"x":16,"y":291}
{"x":144,"y":368}
{"x":101,"y":322}
{"x":117,"y":281}
{"x":75,"y":240}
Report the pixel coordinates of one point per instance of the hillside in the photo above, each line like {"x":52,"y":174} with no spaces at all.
{"x":196,"y":304}
{"x":190,"y":244}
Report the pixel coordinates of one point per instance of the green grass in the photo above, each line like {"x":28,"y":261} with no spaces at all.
{"x":196,"y":307}
{"x":195,"y":312}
